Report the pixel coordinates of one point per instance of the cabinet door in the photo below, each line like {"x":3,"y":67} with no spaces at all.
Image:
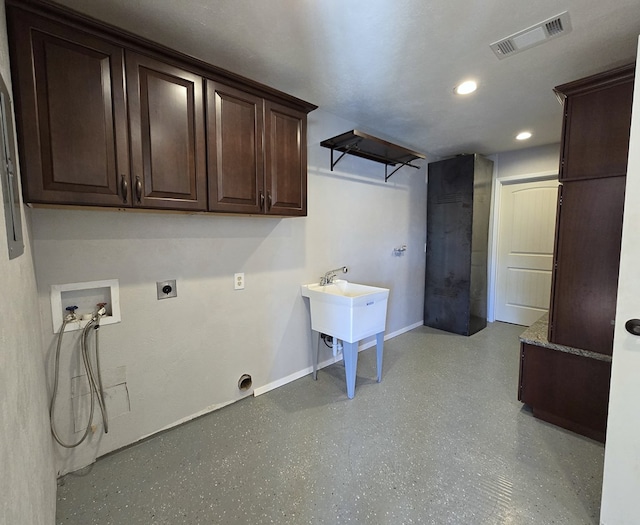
{"x":596,"y":130}
{"x":285,"y":160}
{"x":587,"y":258}
{"x":571,"y":391}
{"x":166,"y":119}
{"x":234,"y":145}
{"x":71,"y":114}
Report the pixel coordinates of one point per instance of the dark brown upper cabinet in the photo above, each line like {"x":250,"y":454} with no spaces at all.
{"x":236,"y":168}
{"x":285,"y":160}
{"x":597,"y":120}
{"x":593,"y":169}
{"x":72,"y":125}
{"x":257,"y":154}
{"x":166,"y":120}
{"x":587,"y":260}
{"x":106,"y":118}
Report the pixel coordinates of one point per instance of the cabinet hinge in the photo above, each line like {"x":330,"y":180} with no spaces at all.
{"x":560,"y":201}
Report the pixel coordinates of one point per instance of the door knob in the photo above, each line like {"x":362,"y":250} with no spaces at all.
{"x":633,"y":326}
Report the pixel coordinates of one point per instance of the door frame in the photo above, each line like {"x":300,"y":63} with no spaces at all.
{"x":494,"y":222}
{"x":621,"y":483}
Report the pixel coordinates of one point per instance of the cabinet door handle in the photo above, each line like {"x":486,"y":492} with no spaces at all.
{"x":633,"y":326}
{"x":261,"y":200}
{"x":124,"y":188}
{"x":268,"y":201}
{"x":138,"y":189}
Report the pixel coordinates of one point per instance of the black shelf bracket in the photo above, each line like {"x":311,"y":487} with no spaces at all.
{"x":360,"y":144}
{"x":386,"y":169}
{"x":347,"y":149}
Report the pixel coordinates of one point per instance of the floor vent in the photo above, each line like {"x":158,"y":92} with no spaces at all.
{"x":537,"y":34}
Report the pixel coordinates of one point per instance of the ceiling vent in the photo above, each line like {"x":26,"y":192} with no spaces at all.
{"x":537,"y":34}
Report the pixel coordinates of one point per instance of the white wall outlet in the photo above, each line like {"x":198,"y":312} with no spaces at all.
{"x":238,"y":281}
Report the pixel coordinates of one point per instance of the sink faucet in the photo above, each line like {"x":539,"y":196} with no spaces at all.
{"x":328,"y":277}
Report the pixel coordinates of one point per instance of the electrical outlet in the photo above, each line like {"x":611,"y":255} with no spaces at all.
{"x":238,"y":281}
{"x":167,"y":289}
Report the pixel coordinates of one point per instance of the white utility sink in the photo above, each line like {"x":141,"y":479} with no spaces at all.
{"x":347,"y":311}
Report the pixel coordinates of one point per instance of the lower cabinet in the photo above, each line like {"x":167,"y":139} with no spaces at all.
{"x":568,"y":390}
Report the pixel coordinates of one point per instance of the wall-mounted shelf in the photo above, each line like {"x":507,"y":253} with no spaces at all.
{"x":360,"y":144}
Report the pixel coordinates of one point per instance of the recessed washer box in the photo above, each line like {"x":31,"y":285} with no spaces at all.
{"x":85,"y":296}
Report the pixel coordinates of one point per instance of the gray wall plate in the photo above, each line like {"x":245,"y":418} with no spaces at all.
{"x":167,"y":289}
{"x":9,"y":175}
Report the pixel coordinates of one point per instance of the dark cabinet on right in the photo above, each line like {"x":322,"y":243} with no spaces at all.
{"x":565,"y":389}
{"x":593,"y":166}
{"x":585,"y":278}
{"x":565,"y":370}
{"x":597,"y":118}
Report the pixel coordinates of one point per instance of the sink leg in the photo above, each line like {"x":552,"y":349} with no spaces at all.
{"x":350,"y":353}
{"x":317,"y":354}
{"x":379,"y":350}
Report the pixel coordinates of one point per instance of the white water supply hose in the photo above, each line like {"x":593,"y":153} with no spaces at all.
{"x":95,"y":385}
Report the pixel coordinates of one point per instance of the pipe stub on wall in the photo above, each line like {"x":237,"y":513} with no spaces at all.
{"x":245,"y":382}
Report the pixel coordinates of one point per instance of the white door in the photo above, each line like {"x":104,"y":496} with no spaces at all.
{"x":621,"y":486}
{"x":525,"y":250}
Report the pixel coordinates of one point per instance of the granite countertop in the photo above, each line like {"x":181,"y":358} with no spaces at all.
{"x":537,"y":333}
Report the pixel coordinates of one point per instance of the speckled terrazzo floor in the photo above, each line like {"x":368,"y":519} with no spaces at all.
{"x":442,"y":440}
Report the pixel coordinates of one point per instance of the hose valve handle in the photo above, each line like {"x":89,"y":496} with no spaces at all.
{"x":100,"y":309}
{"x":71,"y":316}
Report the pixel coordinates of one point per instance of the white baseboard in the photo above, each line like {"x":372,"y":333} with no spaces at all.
{"x":308,"y":370}
{"x":198,"y":414}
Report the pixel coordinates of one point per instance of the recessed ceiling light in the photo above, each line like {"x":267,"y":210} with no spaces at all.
{"x":468,"y":86}
{"x":523,"y":135}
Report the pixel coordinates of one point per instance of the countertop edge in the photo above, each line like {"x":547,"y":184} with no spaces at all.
{"x":536,"y":335}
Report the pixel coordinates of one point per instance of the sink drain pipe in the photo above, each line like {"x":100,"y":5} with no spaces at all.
{"x":332,"y":342}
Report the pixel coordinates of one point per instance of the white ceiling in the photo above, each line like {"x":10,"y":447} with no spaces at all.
{"x":390,"y":66}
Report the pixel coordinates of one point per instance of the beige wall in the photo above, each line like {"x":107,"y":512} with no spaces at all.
{"x":27,"y":483}
{"x":182,"y":357}
{"x":527,"y":162}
